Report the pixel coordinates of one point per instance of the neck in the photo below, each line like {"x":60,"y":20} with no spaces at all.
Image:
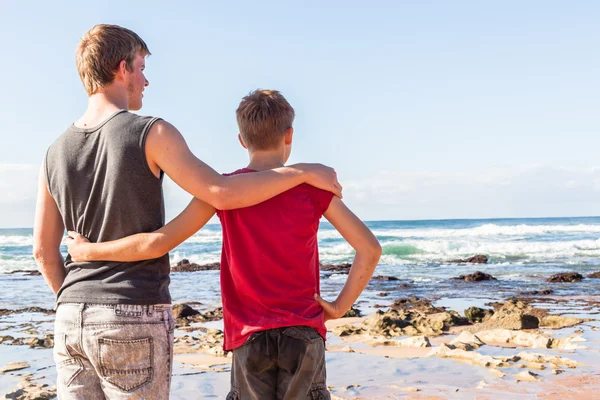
{"x":262,"y":160}
{"x":100,"y":106}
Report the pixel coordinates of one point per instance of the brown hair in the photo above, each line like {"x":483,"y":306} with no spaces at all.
{"x":101,"y":50}
{"x":263,"y":116}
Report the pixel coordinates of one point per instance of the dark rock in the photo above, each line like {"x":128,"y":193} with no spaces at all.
{"x":185,"y":266}
{"x":338,"y":268}
{"x":476,"y":314}
{"x":513,"y":314}
{"x":537,"y":292}
{"x":26,"y":272}
{"x":352,"y":312}
{"x":4,"y":311}
{"x":477,"y":259}
{"x":476,"y":277}
{"x":384,"y":278}
{"x":383,"y":294}
{"x":414,"y":303}
{"x":595,"y":275}
{"x":404,"y":285}
{"x":565,"y":277}
{"x":182,"y":311}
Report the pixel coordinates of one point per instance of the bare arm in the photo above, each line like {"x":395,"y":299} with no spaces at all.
{"x":167,"y":150}
{"x":47,"y":234}
{"x":143,"y":246}
{"x":368,"y":251}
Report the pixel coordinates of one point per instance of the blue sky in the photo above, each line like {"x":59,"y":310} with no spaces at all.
{"x":427,"y":109}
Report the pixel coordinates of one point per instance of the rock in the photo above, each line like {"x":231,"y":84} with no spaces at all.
{"x":568,"y":343}
{"x":182,"y":311}
{"x":595,"y":275}
{"x":557,"y":371}
{"x":14,"y":366}
{"x":411,"y":389}
{"x":384,"y":278}
{"x":4,"y":311}
{"x":414,"y":303}
{"x":542,"y":358}
{"x":30,"y":390}
{"x":537,"y":292}
{"x":476,"y":314}
{"x":467,"y":338}
{"x":558,"y":321}
{"x":32,"y":272}
{"x":513,"y":314}
{"x":185,"y":266}
{"x":416,"y":341}
{"x":470,"y":356}
{"x":518,"y":338}
{"x":477,"y":259}
{"x":383,"y":294}
{"x":348,"y":330}
{"x":352,"y":312}
{"x":528,"y":376}
{"x":339,"y":268}
{"x":475,"y":277}
{"x":565,"y":277}
{"x":497,"y":372}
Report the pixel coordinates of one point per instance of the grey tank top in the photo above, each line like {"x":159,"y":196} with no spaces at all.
{"x":105,"y":190}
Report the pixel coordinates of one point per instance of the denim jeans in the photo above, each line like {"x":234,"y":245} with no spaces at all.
{"x":283,"y":364}
{"x":113,"y":351}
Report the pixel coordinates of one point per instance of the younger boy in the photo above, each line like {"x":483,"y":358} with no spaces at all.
{"x":274,"y":318}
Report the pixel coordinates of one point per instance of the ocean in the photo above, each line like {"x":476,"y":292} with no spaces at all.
{"x":522,"y":254}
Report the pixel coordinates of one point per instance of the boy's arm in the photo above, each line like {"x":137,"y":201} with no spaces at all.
{"x":167,"y":150}
{"x":368,"y":251}
{"x":143,"y":246}
{"x":47,"y":234}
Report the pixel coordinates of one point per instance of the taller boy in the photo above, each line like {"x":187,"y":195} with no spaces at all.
{"x":102,"y":178}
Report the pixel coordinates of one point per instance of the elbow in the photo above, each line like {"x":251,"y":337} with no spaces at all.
{"x":371,"y":252}
{"x":38,"y":252}
{"x":218,"y":199}
{"x":156,"y":248}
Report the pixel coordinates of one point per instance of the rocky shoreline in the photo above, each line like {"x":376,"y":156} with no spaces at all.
{"x":530,"y":336}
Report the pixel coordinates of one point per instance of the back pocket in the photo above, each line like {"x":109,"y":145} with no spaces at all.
{"x":127,"y":364}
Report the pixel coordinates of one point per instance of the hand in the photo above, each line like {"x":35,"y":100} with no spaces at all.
{"x":76,"y":244}
{"x":322,"y":177}
{"x":331,"y":309}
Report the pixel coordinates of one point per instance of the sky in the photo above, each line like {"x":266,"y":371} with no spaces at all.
{"x":427,"y":110}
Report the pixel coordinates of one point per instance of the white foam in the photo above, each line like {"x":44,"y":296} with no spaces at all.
{"x":16,"y":240}
{"x":490,"y":230}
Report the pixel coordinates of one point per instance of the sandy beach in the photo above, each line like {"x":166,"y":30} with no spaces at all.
{"x":412,"y":349}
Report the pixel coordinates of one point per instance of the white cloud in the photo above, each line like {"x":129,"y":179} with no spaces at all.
{"x":18,"y":188}
{"x":524,"y":191}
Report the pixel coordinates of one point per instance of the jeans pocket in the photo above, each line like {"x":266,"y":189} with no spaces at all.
{"x":304,"y":333}
{"x":67,"y":370}
{"x":126,"y":363}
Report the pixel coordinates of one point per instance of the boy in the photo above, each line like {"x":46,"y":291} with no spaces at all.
{"x":273,"y":315}
{"x":103,"y":177}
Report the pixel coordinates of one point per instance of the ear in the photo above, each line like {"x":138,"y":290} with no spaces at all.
{"x":121,"y":70}
{"x":289,"y":133}
{"x":242,"y":141}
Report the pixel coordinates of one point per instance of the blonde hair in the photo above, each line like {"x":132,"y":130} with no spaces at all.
{"x":263,"y":117}
{"x":101,"y":50}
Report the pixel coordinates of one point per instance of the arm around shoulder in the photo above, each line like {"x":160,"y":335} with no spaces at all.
{"x":167,"y":150}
